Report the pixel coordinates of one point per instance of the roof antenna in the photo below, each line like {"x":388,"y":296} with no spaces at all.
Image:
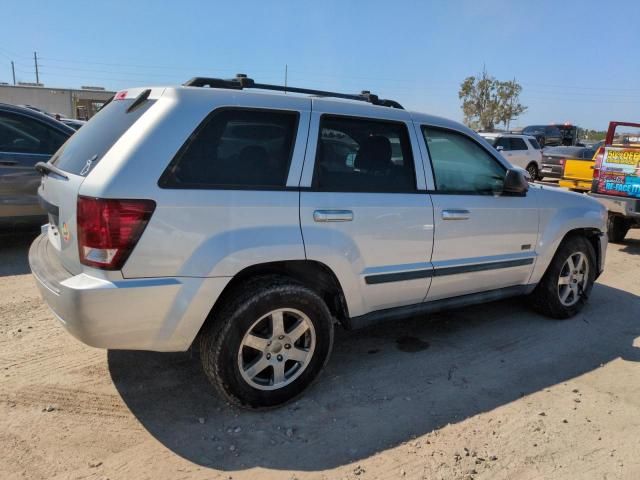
{"x":286,"y":71}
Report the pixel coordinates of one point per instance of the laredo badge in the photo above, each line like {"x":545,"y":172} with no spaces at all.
{"x":65,"y":232}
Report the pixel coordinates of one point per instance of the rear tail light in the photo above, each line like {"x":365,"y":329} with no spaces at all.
{"x":108,"y":229}
{"x":562,"y":163}
{"x":598,"y":163}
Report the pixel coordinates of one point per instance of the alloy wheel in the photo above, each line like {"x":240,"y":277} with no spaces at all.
{"x":573,"y":279}
{"x":276,"y":349}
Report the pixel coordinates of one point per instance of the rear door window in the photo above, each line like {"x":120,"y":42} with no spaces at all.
{"x":23,"y":134}
{"x":518,"y":144}
{"x":362,"y":155}
{"x":236,"y":148}
{"x":503,"y":142}
{"x":88,"y":145}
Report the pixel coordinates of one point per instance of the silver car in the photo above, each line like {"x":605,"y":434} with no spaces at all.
{"x":26,"y":138}
{"x":250,"y":222}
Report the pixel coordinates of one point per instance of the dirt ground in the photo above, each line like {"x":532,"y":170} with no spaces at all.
{"x":489,"y":392}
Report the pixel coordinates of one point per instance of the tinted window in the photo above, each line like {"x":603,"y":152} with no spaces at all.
{"x":534,"y":143}
{"x":518,"y":144}
{"x":236,"y":148}
{"x":460,"y":165}
{"x":553,"y":131}
{"x":533,"y":129}
{"x":502,"y":142}
{"x":22,"y":134}
{"x":363,"y":156}
{"x":87,"y":146}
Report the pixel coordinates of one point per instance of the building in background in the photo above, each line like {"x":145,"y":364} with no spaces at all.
{"x":68,"y":102}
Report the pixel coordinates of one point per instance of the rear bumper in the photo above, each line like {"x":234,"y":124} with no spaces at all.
{"x":583,"y":185}
{"x":628,"y":207}
{"x":553,"y":171}
{"x":161,"y":314}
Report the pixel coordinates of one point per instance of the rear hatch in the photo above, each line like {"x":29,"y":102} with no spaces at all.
{"x":65,"y":172}
{"x":579,"y":165}
{"x":617,"y":164}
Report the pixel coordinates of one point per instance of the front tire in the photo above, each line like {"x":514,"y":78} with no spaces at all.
{"x":617,"y":228}
{"x":532,"y":168}
{"x":567,"y":283}
{"x":267,"y":344}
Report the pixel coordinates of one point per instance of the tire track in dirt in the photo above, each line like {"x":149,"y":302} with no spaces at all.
{"x":68,"y":400}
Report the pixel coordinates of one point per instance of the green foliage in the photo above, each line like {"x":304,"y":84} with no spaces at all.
{"x":487,"y":102}
{"x":588,"y":134}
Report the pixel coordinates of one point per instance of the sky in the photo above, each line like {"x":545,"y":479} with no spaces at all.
{"x":577,"y":61}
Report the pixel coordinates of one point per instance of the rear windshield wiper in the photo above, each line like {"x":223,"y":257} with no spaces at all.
{"x":45,"y":167}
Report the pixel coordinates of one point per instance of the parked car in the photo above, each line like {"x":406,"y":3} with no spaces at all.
{"x":251,"y":222}
{"x":577,"y":167}
{"x":520,"y":150}
{"x":26,"y":138}
{"x":616,"y":178}
{"x":547,"y":135}
{"x":73,"y":123}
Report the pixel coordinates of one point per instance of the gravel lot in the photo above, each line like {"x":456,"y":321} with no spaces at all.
{"x":491,"y":392}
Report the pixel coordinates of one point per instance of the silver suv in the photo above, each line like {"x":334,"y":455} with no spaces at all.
{"x":249,"y":223}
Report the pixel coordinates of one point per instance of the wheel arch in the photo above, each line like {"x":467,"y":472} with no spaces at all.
{"x":310,"y":273}
{"x":592,"y":235}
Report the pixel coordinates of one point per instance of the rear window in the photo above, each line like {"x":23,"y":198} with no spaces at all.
{"x":534,"y":143}
{"x":236,"y":148}
{"x":626,"y":136}
{"x":87,"y":146}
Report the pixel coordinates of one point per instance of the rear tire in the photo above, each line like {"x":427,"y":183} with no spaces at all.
{"x":267,"y":344}
{"x":567,"y":283}
{"x":532,"y":168}
{"x":617,"y":228}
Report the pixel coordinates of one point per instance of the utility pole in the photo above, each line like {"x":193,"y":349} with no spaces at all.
{"x":13,"y":71}
{"x":35,"y":60}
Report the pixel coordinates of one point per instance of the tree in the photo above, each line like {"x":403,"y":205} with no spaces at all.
{"x":487,"y":101}
{"x":509,"y":106}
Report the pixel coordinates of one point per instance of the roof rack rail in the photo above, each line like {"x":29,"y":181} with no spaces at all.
{"x":241,"y":81}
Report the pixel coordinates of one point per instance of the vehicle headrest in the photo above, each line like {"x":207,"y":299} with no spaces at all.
{"x":374,"y":154}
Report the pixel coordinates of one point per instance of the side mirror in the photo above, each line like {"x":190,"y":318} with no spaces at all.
{"x":515,"y":183}
{"x":500,"y":148}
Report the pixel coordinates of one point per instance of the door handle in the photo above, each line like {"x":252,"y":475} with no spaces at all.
{"x":455,"y":214}
{"x":332,"y":216}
